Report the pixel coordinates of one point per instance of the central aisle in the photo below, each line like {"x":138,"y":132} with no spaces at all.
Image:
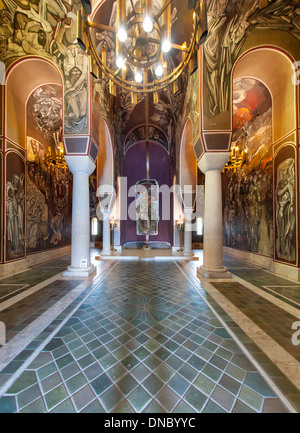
{"x":143,"y":341}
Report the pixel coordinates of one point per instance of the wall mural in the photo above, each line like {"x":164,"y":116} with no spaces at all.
{"x":48,"y":186}
{"x":248,"y":191}
{"x":285,"y":205}
{"x":15,"y":206}
{"x":191,"y":107}
{"x":228,"y":23}
{"x":2,"y":198}
{"x":48,"y":29}
{"x":93,"y":195}
{"x":147,"y":207}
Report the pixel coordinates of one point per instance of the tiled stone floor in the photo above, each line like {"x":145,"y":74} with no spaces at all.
{"x":268,"y":316}
{"x":143,"y":340}
{"x":21,"y":314}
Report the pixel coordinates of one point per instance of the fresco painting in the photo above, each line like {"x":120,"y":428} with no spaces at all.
{"x":48,"y":29}
{"x":285,"y":205}
{"x":15,"y":206}
{"x":48,"y":185}
{"x":248,"y":190}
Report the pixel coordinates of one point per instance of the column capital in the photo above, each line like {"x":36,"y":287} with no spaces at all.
{"x":80,"y":164}
{"x":213,"y":161}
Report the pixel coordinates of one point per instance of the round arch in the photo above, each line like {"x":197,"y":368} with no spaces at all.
{"x":187,"y":158}
{"x":274,"y":68}
{"x":105,"y":160}
{"x":22,"y":79}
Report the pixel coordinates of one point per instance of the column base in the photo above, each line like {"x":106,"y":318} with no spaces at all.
{"x":79,"y":272}
{"x":105,"y":253}
{"x":213,"y":274}
{"x":188,"y":253}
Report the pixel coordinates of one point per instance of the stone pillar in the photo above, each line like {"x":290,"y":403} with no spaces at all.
{"x":106,"y":251}
{"x":211,"y":164}
{"x":81,"y":167}
{"x":188,"y":247}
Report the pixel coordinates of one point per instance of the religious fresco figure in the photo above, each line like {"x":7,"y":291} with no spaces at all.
{"x":285,"y":209}
{"x":15,"y":207}
{"x":75,"y":70}
{"x":228,"y":23}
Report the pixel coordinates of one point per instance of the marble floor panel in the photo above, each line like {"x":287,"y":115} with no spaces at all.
{"x":142,"y":339}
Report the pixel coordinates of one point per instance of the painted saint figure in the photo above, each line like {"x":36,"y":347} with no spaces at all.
{"x":285,"y":208}
{"x":14,"y":213}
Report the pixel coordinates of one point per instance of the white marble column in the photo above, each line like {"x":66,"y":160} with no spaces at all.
{"x":106,"y":247}
{"x":81,"y":167}
{"x":211,"y":164}
{"x":188,"y":247}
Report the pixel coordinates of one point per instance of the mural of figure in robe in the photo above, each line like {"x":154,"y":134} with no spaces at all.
{"x":15,"y":215}
{"x":75,"y":70}
{"x":285,"y":209}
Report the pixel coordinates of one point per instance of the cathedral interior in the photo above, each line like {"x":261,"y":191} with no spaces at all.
{"x":149,"y":207}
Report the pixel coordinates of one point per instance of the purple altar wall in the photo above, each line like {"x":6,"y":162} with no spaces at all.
{"x":134,"y":169}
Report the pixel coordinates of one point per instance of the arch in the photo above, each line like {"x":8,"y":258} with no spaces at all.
{"x":275,"y":69}
{"x":22,"y":78}
{"x":105,"y":160}
{"x":134,"y":170}
{"x":187,"y":158}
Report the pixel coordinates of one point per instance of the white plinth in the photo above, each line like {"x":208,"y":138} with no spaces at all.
{"x":79,"y":272}
{"x":213,"y":274}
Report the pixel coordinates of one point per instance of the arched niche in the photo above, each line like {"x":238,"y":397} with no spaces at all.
{"x":22,"y":79}
{"x":274,"y":69}
{"x":135,"y":164}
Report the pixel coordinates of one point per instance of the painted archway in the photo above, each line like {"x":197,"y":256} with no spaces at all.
{"x":135,"y":170}
{"x":23,"y":79}
{"x":187,"y":165}
{"x":263,"y":81}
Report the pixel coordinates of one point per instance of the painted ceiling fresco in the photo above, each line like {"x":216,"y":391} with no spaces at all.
{"x":48,"y":29}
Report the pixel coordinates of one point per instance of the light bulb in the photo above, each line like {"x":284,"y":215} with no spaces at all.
{"x":122,"y":34}
{"x":159,"y":70}
{"x":166,"y":45}
{"x":120,"y":62}
{"x":138,"y":77}
{"x":148,"y":24}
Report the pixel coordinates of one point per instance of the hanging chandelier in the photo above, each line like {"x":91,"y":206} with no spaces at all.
{"x":136,"y":52}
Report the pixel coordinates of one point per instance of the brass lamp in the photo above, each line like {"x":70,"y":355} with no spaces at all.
{"x":180,"y":227}
{"x":141,"y":45}
{"x":113,"y":226}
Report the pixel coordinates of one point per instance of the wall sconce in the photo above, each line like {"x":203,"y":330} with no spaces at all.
{"x":56,"y":158}
{"x":113,"y":226}
{"x":180,"y":227}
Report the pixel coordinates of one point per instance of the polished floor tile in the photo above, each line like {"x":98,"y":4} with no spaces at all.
{"x":143,"y":340}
